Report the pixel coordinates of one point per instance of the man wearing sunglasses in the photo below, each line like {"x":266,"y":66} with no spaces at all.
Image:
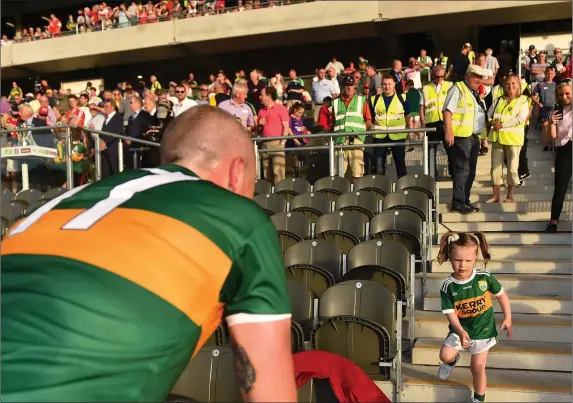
{"x":434,"y":96}
{"x":183,"y":103}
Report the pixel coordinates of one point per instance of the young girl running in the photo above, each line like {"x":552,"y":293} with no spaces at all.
{"x":467,"y":303}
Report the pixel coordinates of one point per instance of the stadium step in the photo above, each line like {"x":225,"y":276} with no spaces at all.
{"x":510,"y":226}
{"x":455,"y":217}
{"x":505,"y":355}
{"x":500,"y":238}
{"x":519,"y":304}
{"x":541,"y":328}
{"x":549,"y":176}
{"x":525,"y":252}
{"x":539,"y":285}
{"x":421,"y":384}
{"x":518,"y":207}
{"x":547,"y":190}
{"x":488,"y":184}
{"x":514,"y":266}
{"x":517,"y":197}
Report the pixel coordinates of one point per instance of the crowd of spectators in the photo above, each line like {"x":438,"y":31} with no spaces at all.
{"x":102,"y":16}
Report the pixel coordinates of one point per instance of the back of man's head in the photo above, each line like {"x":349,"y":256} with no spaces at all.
{"x":214,"y":145}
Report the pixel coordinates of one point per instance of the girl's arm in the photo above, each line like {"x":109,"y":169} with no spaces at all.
{"x":503,"y":300}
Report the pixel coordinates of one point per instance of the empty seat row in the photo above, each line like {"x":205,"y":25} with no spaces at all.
{"x":30,"y":196}
{"x":335,"y":186}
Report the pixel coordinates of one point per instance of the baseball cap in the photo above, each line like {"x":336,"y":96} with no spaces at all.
{"x":476,"y":70}
{"x":43,"y":111}
{"x":531,"y":47}
{"x":348,"y":80}
{"x":95,"y":100}
{"x":467,"y":45}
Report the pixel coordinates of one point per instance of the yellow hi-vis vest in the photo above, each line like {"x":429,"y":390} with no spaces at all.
{"x":463,"y":114}
{"x":509,"y":136}
{"x":434,"y":102}
{"x":391,"y":118}
{"x":444,"y":61}
{"x":496,"y":92}
{"x":349,"y":119}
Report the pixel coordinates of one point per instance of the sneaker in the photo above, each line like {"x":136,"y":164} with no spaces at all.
{"x":524,"y":176}
{"x":474,"y":400}
{"x":445,"y":370}
{"x":462,"y":209}
{"x":551,"y":228}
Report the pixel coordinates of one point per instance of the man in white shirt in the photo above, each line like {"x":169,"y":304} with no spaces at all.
{"x":491,"y":62}
{"x":339,"y":67}
{"x":412,"y":72}
{"x":97,"y":118}
{"x":183,"y":103}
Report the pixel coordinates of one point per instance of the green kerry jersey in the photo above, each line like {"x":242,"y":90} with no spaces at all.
{"x":470,"y":300}
{"x":110,"y":289}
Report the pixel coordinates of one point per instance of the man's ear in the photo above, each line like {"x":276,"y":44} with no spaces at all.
{"x":237,"y":175}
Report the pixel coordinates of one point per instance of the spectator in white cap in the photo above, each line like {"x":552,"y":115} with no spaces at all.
{"x":464,"y":120}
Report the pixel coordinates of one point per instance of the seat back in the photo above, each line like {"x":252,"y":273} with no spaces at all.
{"x":263,"y":187}
{"x":364,"y":203}
{"x":402,"y":226}
{"x":210,"y":377}
{"x":410,"y":199}
{"x":421,"y":182}
{"x":13,"y":211}
{"x":379,"y":184}
{"x":302,"y":305}
{"x":271,"y":203}
{"x":28,"y":196}
{"x":52,"y":193}
{"x":342,"y":228}
{"x":296,"y":337}
{"x":333,"y":186}
{"x":292,"y":227}
{"x":291,"y":187}
{"x":317,"y":264}
{"x":34,"y":205}
{"x":384,"y":262}
{"x":312,"y":205}
{"x":7,"y":195}
{"x":218,"y":338}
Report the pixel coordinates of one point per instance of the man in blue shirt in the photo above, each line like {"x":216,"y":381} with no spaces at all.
{"x":321,"y":89}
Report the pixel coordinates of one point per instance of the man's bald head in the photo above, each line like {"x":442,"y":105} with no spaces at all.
{"x":213,"y":144}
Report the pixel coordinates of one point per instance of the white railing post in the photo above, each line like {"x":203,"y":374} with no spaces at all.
{"x":97,"y":156}
{"x":69,"y":161}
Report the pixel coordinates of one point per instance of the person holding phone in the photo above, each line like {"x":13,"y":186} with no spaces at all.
{"x":559,"y":131}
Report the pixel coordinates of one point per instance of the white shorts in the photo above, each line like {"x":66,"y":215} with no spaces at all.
{"x":476,"y":347}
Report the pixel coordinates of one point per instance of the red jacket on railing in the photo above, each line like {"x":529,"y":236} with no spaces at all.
{"x":349,"y":383}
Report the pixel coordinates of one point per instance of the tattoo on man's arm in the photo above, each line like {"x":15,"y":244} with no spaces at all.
{"x":246,"y":374}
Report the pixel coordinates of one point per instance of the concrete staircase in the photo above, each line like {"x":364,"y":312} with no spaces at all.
{"x":534,"y":268}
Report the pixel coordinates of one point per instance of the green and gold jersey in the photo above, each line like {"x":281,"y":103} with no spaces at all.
{"x":110,"y":289}
{"x":470,"y":300}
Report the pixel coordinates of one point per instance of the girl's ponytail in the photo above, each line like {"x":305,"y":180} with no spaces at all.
{"x":444,"y":252}
{"x":484,"y":247}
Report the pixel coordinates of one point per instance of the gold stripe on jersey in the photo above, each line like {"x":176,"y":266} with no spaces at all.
{"x":167,"y":257}
{"x":472,"y":307}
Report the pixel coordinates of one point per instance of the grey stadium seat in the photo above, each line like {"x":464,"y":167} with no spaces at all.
{"x":421,"y":182}
{"x":219,"y":337}
{"x":28,"y":196}
{"x":291,"y":227}
{"x":302,"y":308}
{"x":342,"y":228}
{"x":271,"y":203}
{"x":357,"y":320}
{"x":403,"y":226}
{"x":379,"y":184}
{"x":263,"y":187}
{"x":33,"y":206}
{"x":333,"y":186}
{"x":291,"y":187}
{"x":11,"y":211}
{"x":409,"y":199}
{"x":312,"y":205}
{"x":210,"y":377}
{"x":384,"y":262}
{"x":362,"y":202}
{"x":7,"y":195}
{"x":316,"y":264}
{"x":52,"y":193}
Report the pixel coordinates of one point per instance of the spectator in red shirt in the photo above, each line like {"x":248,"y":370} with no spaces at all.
{"x":54,"y":26}
{"x":273,"y":121}
{"x":325,"y":115}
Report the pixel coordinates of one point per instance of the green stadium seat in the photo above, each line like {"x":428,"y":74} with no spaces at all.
{"x":342,"y":228}
{"x":421,"y":182}
{"x":333,"y":186}
{"x":291,"y":187}
{"x":312,"y":205}
{"x":410,"y":199}
{"x":378,"y":184}
{"x":52,"y":193}
{"x":384,"y":262}
{"x":263,"y":187}
{"x":271,"y":203}
{"x":402,"y":226}
{"x":292,"y":227}
{"x":316,"y":264}
{"x":302,"y":306}
{"x":28,"y":196}
{"x":209,"y":377}
{"x":357,"y":320}
{"x":364,"y":203}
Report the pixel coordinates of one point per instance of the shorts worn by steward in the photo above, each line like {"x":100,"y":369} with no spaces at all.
{"x":471,"y":301}
{"x":110,"y":289}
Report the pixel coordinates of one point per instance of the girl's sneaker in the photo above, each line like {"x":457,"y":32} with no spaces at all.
{"x":445,"y":370}
{"x":474,"y":400}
